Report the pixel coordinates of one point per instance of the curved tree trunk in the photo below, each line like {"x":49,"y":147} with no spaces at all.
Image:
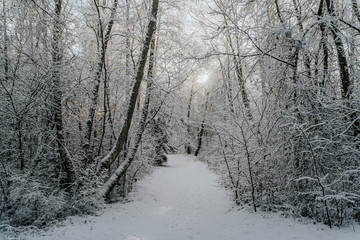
{"x":130,"y":156}
{"x":116,"y":150}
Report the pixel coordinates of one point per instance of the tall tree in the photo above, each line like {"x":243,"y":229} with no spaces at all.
{"x":121,"y":140}
{"x":56,"y":99}
{"x":104,"y":39}
{"x":130,"y":155}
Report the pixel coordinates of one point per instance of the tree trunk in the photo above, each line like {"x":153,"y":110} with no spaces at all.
{"x":192,"y":93}
{"x":248,"y":158}
{"x":346,"y":85}
{"x":200,"y":135}
{"x":105,"y":38}
{"x":225,"y":72}
{"x":116,"y":150}
{"x":5,"y":78}
{"x":121,"y":170}
{"x":239,"y":73}
{"x":323,"y":45}
{"x":5,"y":42}
{"x":57,"y":94}
{"x":340,"y":50}
{"x":355,"y":8}
{"x":202,"y":128}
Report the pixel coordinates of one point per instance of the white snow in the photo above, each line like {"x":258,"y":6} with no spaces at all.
{"x":184,"y":201}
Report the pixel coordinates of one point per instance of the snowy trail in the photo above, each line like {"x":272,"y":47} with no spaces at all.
{"x":182,"y":202}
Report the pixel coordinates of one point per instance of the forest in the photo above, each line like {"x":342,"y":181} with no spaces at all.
{"x":94,"y":93}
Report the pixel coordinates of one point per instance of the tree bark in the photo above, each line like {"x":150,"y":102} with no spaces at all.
{"x":121,"y":170}
{"x":247,"y":153}
{"x":278,"y":12}
{"x":192,"y":93}
{"x":225,"y":72}
{"x":116,"y":150}
{"x":340,"y":50}
{"x":57,"y":94}
{"x":105,"y":38}
{"x":202,"y":128}
{"x":5,"y":42}
{"x":323,"y":45}
{"x":355,"y":8}
{"x":9,"y":93}
{"x":200,"y":135}
{"x":345,"y":82}
{"x":239,"y":73}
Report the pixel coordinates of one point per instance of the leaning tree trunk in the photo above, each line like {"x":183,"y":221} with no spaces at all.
{"x":121,"y":170}
{"x":57,"y":94}
{"x":105,"y":38}
{"x":116,"y":150}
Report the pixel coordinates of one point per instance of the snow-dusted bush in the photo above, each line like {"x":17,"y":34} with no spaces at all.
{"x":32,"y":202}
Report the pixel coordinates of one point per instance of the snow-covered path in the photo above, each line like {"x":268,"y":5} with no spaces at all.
{"x":184,"y":201}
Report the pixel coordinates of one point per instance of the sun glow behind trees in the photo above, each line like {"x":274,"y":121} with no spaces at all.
{"x":203,"y":78}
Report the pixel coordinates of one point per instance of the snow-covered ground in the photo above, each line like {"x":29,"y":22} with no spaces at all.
{"x":182,"y":202}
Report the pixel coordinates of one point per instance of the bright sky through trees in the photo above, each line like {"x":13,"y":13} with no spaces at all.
{"x":203,"y":78}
